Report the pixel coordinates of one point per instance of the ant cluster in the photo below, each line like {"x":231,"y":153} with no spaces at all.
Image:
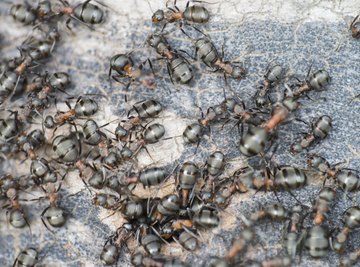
{"x":105,"y":157}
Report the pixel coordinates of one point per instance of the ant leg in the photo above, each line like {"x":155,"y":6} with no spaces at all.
{"x":64,"y":2}
{"x":197,"y":146}
{"x":241,"y":130}
{"x":27,"y":4}
{"x":126,"y":90}
{"x":52,"y":46}
{"x":83,"y":23}
{"x":187,"y":53}
{"x":222,"y":51}
{"x":177,"y":242}
{"x":201,"y":111}
{"x":68,"y":104}
{"x":200,"y":1}
{"x":104,"y":5}
{"x":353,"y":22}
{"x":151,"y":66}
{"x":357,"y":96}
{"x":142,"y":64}
{"x":16,"y":261}
{"x":148,"y":209}
{"x":63,"y":91}
{"x":147,"y":151}
{"x":68,"y":26}
{"x":277,"y":197}
{"x":14,"y":91}
{"x":163,"y":28}
{"x":116,"y":78}
{"x":182,"y":30}
{"x":57,"y":126}
{"x":326,"y":178}
{"x":307,"y":75}
{"x":225,"y":122}
{"x":43,"y":221}
{"x":301,"y":120}
{"x":157,"y":233}
{"x":167,"y":3}
{"x":226,"y":82}
{"x":87,"y":187}
{"x":108,"y":216}
{"x":169,"y":71}
{"x":339,"y":163}
{"x":200,"y":31}
{"x":178,"y":10}
{"x":78,"y":138}
{"x":28,"y":224}
{"x":298,"y":201}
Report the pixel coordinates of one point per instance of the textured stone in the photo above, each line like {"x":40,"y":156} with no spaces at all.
{"x":295,"y":34}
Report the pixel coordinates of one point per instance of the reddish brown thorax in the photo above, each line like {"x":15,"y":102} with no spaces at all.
{"x":68,"y":10}
{"x":238,"y":246}
{"x":168,"y":54}
{"x":31,"y":87}
{"x":61,"y":117}
{"x":44,"y":92}
{"x":307,"y":140}
{"x":122,"y":236}
{"x":241,"y":187}
{"x":278,"y":117}
{"x":12,"y":194}
{"x":266,"y":183}
{"x":128,"y":69}
{"x":355,"y":28}
{"x":133,"y":179}
{"x":184,"y":197}
{"x":319,"y":218}
{"x":53,"y":198}
{"x":136,"y":120}
{"x":302,"y":89}
{"x":246,"y":116}
{"x":176,"y":16}
{"x":32,"y":154}
{"x":332,"y":173}
{"x":15,"y":203}
{"x":293,"y":228}
{"x":147,"y":261}
{"x":204,"y":122}
{"x":224,"y":66}
{"x":355,"y":33}
{"x":104,"y":147}
{"x":84,"y":170}
{"x":342,"y":236}
{"x":21,"y":68}
{"x":179,"y":224}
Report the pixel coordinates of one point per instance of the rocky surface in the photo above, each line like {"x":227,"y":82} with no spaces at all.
{"x":293,"y":34}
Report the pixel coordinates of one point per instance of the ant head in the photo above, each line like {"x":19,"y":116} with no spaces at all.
{"x":295,"y":148}
{"x":157,"y":16}
{"x":119,"y":62}
{"x":315,"y":160}
{"x":290,"y":103}
{"x":155,"y":39}
{"x":44,"y":8}
{"x":355,"y":27}
{"x":238,"y":72}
